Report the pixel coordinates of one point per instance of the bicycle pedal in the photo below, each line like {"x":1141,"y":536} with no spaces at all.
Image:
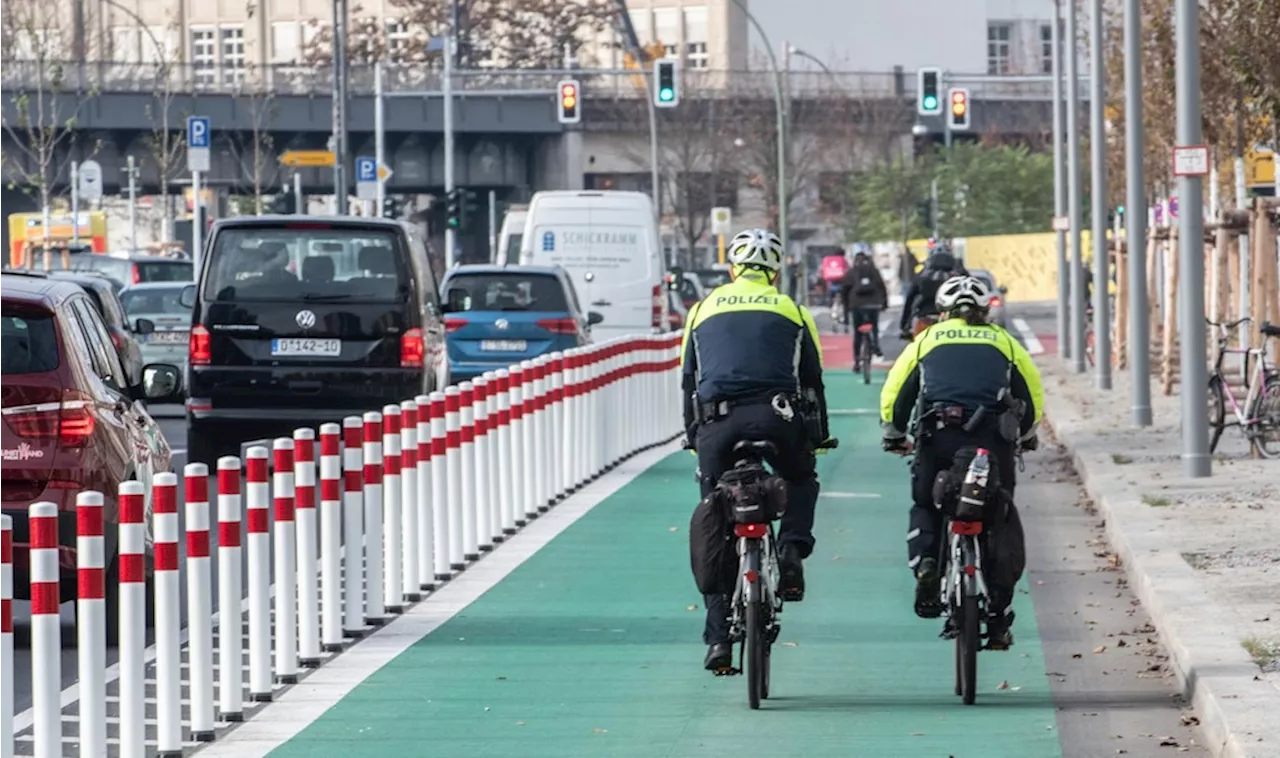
{"x":730,"y":671}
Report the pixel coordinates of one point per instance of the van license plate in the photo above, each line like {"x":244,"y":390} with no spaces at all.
{"x":170,"y":338}
{"x":297,"y":346}
{"x":504,"y":346}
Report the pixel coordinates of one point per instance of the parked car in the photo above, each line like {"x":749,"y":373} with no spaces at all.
{"x":500,"y":315}
{"x":125,"y":333}
{"x":997,"y":314}
{"x":713,"y":277}
{"x":136,"y":269}
{"x":302,"y":320}
{"x":160,"y":304}
{"x":71,"y":420}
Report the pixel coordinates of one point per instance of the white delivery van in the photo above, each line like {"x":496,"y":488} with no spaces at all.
{"x":509,"y":236}
{"x":608,"y":242}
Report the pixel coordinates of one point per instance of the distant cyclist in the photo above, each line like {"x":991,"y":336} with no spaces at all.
{"x":865,"y":295}
{"x":919,"y":307}
{"x":748,"y":354}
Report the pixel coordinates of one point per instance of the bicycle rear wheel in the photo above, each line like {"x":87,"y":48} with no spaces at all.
{"x":1217,"y":407}
{"x":1265,"y":413}
{"x":865,"y":354}
{"x":967,"y":642}
{"x":757,"y":659}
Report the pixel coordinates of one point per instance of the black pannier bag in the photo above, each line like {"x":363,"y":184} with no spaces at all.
{"x":1003,"y":539}
{"x":711,"y":547}
{"x":752,"y":495}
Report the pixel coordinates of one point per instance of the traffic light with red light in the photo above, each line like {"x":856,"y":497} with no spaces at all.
{"x":959,"y":111}
{"x":569,"y":102}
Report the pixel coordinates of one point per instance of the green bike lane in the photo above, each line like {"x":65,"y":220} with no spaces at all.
{"x":592,"y":646}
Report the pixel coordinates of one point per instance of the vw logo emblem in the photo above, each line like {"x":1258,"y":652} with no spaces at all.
{"x":305,"y":319}
{"x":501,"y":324}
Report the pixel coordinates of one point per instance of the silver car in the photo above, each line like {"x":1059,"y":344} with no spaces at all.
{"x":159,"y":303}
{"x":997,"y":294}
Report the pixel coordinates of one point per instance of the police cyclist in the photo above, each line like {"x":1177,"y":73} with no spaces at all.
{"x":752,"y":370}
{"x":953,"y":368}
{"x":918,"y":306}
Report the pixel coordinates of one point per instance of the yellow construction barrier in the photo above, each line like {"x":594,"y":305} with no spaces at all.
{"x":1025,"y":263}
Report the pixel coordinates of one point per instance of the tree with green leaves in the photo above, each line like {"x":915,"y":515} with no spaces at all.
{"x":885,"y":201}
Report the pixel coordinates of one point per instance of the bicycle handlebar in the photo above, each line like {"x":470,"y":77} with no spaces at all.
{"x":1231,"y":325}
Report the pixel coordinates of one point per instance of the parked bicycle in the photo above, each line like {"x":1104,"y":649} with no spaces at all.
{"x":757,"y":498}
{"x":1258,"y":415}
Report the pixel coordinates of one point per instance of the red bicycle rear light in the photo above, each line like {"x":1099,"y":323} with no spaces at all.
{"x":751,"y":531}
{"x":966,"y":528}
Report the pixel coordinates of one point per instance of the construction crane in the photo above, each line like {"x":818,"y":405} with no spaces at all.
{"x":637,"y":57}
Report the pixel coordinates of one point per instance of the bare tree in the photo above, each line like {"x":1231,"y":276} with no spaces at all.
{"x":44,"y":122}
{"x":167,"y":140}
{"x":253,"y":150}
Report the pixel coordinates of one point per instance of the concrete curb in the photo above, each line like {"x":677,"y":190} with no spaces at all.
{"x":1239,"y":711}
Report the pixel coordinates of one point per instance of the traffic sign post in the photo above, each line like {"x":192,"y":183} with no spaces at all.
{"x":199,"y":139}
{"x":89,"y":180}
{"x":1190,"y":160}
{"x":367,"y":178}
{"x":721,"y":224}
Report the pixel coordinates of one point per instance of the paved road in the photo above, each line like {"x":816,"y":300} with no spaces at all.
{"x":591,"y":647}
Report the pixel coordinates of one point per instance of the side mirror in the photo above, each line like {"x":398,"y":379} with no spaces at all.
{"x":144,"y":326}
{"x":188,"y":297}
{"x":160,"y":382}
{"x":1003,"y":289}
{"x":457,"y":300}
{"x":594,"y":317}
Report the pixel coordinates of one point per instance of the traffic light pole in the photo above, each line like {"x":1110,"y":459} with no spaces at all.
{"x":379,"y":136}
{"x":450,"y":235}
{"x":1073,"y":191}
{"x":1098,"y":174}
{"x":1060,"y":191}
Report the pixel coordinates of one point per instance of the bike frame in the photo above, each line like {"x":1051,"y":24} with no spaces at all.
{"x":1255,"y":378}
{"x":964,"y":570}
{"x":755,"y":584}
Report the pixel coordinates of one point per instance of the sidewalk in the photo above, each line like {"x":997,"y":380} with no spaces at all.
{"x":1202,"y":554}
{"x":590,"y":647}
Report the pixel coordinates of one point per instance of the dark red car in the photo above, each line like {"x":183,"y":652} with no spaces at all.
{"x":71,"y":421}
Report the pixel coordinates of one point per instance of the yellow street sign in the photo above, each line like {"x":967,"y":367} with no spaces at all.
{"x":307,"y":158}
{"x":1259,"y":168}
{"x":384,"y":173}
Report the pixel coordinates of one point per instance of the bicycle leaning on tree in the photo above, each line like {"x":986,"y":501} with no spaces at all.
{"x":1258,"y":413}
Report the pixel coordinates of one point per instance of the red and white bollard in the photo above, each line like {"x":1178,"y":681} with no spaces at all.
{"x":230,"y":594}
{"x":353,"y":526}
{"x":164,"y":526}
{"x":490,"y":480}
{"x":46,"y":630}
{"x":555,"y":429}
{"x":6,"y":635}
{"x":91,"y":624}
{"x":410,"y":585}
{"x":527,"y":445}
{"x":304,"y":514}
{"x":517,"y":473}
{"x":257,"y":514}
{"x":502,"y":445}
{"x":132,"y":596}
{"x":392,"y":515}
{"x":441,"y":518}
{"x":595,"y":439}
{"x":453,"y":476}
{"x":467,"y":468}
{"x":425,"y":509}
{"x":286,"y":561}
{"x":565,"y":430}
{"x":480,"y":472}
{"x":374,"y":611}
{"x":195,"y":478}
{"x":541,"y":462}
{"x":331,"y":637}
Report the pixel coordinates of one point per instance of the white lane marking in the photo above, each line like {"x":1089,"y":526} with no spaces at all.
{"x":178,"y":450}
{"x":1029,"y":339}
{"x":853,"y":412}
{"x":850,"y":494}
{"x":285,"y":717}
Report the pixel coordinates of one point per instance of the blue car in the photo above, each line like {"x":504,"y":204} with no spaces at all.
{"x":499,"y":315}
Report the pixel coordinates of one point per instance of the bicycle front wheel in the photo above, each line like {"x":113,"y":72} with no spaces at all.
{"x":967,"y":642}
{"x":1217,"y":407}
{"x":1265,"y":414}
{"x":757,"y":659}
{"x":866,"y":358}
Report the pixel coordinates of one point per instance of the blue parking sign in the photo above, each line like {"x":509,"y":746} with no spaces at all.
{"x":197,"y":132}
{"x":366,"y":169}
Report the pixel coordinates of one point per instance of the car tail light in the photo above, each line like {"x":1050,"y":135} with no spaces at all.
{"x":453,"y":324}
{"x":751,"y":531}
{"x":116,"y":340}
{"x":411,"y":349}
{"x":198,"y":348}
{"x":135,"y":274}
{"x":559,"y":325}
{"x":71,"y":420}
{"x":657,"y":306}
{"x":996,"y":302}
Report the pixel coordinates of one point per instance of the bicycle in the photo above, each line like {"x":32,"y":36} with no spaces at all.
{"x":759,"y":499}
{"x":864,"y":352}
{"x":838,"y":322}
{"x":1258,"y":415}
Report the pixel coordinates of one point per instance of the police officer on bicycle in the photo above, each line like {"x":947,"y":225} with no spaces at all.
{"x":918,"y":307}
{"x":954,"y":368}
{"x":752,"y":370}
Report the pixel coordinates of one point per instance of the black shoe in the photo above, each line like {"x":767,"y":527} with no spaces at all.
{"x":792,"y":567}
{"x":719,"y":657}
{"x":928,"y":604}
{"x":1000,"y":632}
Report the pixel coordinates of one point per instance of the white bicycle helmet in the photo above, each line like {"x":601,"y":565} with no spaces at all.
{"x":959,"y":291}
{"x":756,"y":247}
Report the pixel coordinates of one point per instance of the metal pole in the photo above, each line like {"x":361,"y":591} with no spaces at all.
{"x":379,"y":136}
{"x":197,"y":223}
{"x":450,"y":235}
{"x":784,"y":117}
{"x":1060,"y":189}
{"x":1241,"y":199}
{"x":654,"y":177}
{"x":1074,"y":199}
{"x":935,"y":212}
{"x":493,"y":226}
{"x":1135,"y":204}
{"x":340,"y":107}
{"x":75,"y":203}
{"x":1191,"y":328}
{"x":1098,"y":151}
{"x":133,"y":204}
{"x":299,"y":202}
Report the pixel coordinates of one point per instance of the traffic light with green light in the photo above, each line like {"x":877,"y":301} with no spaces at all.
{"x":666,"y":92}
{"x":928,"y":89}
{"x":452,"y":210}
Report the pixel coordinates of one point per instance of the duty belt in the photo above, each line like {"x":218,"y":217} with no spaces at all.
{"x":717,"y":409}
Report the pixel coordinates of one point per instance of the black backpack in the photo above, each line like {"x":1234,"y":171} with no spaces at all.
{"x":865,"y":286}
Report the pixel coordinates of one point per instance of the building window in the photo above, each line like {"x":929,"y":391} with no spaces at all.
{"x":666,"y":23}
{"x":696,"y":33}
{"x":157,"y":45}
{"x":204,"y":55}
{"x":124,"y":44}
{"x":1046,"y":49}
{"x":398,"y":40}
{"x":286,"y":42}
{"x":232,"y":42}
{"x":998,"y":36}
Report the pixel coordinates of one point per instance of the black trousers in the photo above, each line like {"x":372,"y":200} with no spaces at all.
{"x":924,"y":539}
{"x":795,"y":464}
{"x":862,"y":316}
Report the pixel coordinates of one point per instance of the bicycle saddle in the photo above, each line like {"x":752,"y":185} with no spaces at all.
{"x":1268,"y":329}
{"x":759,"y":447}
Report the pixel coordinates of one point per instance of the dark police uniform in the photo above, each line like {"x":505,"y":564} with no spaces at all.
{"x":743,"y":344}
{"x":957,"y":365}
